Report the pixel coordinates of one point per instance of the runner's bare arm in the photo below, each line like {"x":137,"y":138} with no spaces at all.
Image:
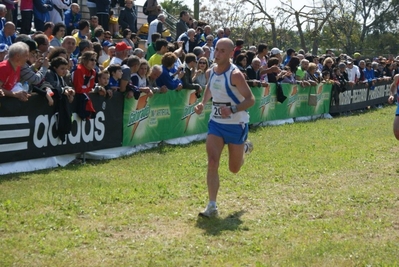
{"x":238,"y":80}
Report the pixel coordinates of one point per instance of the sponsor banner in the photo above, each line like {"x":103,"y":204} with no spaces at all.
{"x":267,"y":108}
{"x":162,"y":117}
{"x":27,"y":129}
{"x":361,"y":96}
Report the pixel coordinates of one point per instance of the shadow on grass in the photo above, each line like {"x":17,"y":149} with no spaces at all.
{"x":214,"y":226}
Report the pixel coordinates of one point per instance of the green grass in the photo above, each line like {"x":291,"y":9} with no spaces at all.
{"x":322,"y":193}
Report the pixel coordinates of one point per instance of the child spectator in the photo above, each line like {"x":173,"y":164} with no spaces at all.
{"x":102,"y":87}
{"x":115,"y":72}
{"x":63,"y":94}
{"x":72,"y":18}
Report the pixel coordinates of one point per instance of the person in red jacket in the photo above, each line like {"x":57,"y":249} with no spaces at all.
{"x":84,"y":82}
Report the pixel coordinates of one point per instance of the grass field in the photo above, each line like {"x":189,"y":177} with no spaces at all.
{"x":322,"y":193}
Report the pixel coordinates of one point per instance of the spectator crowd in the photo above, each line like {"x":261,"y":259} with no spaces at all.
{"x":67,"y":58}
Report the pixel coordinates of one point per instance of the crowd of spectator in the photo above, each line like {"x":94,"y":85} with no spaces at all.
{"x":67,"y":58}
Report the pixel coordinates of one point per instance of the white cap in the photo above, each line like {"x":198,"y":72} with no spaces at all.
{"x":276,"y":51}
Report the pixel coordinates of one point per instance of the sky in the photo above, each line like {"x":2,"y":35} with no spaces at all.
{"x":270,"y":4}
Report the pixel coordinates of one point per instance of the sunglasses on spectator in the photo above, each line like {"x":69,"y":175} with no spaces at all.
{"x":93,"y":59}
{"x":201,"y":62}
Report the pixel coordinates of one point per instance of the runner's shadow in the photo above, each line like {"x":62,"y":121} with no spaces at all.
{"x":214,"y":226}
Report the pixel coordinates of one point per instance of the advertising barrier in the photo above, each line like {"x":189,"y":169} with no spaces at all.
{"x":27,"y":128}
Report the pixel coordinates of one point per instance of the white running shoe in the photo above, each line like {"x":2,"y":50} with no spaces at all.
{"x":248,"y":147}
{"x":210,"y":211}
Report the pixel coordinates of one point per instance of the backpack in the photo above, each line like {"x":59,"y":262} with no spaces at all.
{"x":145,"y":11}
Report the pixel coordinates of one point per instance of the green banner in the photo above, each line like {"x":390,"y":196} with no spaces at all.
{"x":162,"y":117}
{"x":171,"y":115}
{"x":267,"y":108}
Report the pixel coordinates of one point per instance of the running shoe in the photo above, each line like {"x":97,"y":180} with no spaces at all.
{"x":210,"y":211}
{"x":248,"y":147}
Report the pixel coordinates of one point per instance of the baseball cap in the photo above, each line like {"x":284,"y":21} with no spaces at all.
{"x":106,"y":43}
{"x":121,"y":46}
{"x":275,"y":51}
{"x":3,"y":48}
{"x":357,"y":54}
{"x":342,"y":65}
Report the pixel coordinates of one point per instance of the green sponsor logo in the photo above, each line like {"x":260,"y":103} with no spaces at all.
{"x":264,"y":101}
{"x":292,"y":99}
{"x":138,"y":115}
{"x":189,"y":110}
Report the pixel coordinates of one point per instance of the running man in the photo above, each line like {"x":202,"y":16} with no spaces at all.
{"x":395,"y":91}
{"x":229,"y":119}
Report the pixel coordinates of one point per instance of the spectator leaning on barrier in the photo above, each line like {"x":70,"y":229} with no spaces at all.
{"x":139,"y":79}
{"x":253,"y":69}
{"x":155,"y":72}
{"x":83,"y":82}
{"x":353,"y":71}
{"x":10,"y":70}
{"x":172,"y":83}
{"x":362,"y":67}
{"x":310,"y":75}
{"x":129,"y":67}
{"x":300,"y":73}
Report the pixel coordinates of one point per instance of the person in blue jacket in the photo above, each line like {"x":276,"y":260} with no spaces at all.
{"x":41,"y":14}
{"x":171,"y":81}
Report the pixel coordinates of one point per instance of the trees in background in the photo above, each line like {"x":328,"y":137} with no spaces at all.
{"x":347,"y":26}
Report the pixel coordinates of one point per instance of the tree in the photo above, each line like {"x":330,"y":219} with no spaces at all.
{"x":229,"y":14}
{"x":315,"y":17}
{"x":174,"y":7}
{"x":366,"y":15}
{"x":267,"y":17}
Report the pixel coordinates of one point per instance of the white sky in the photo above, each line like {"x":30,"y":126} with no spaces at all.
{"x":270,"y":4}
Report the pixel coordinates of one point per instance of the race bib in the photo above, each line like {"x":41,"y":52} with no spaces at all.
{"x":216,"y":109}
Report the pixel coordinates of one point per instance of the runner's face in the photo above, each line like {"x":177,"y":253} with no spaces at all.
{"x":223,"y":52}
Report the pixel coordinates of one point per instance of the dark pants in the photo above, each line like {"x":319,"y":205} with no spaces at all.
{"x":39,"y":25}
{"x":26,"y":21}
{"x":103,"y":20}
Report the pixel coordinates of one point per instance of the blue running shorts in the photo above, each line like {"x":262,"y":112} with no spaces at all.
{"x":231,"y":133}
{"x":397,"y":110}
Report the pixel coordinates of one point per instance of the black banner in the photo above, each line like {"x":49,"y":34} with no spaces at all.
{"x":27,"y":129}
{"x":361,"y":96}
